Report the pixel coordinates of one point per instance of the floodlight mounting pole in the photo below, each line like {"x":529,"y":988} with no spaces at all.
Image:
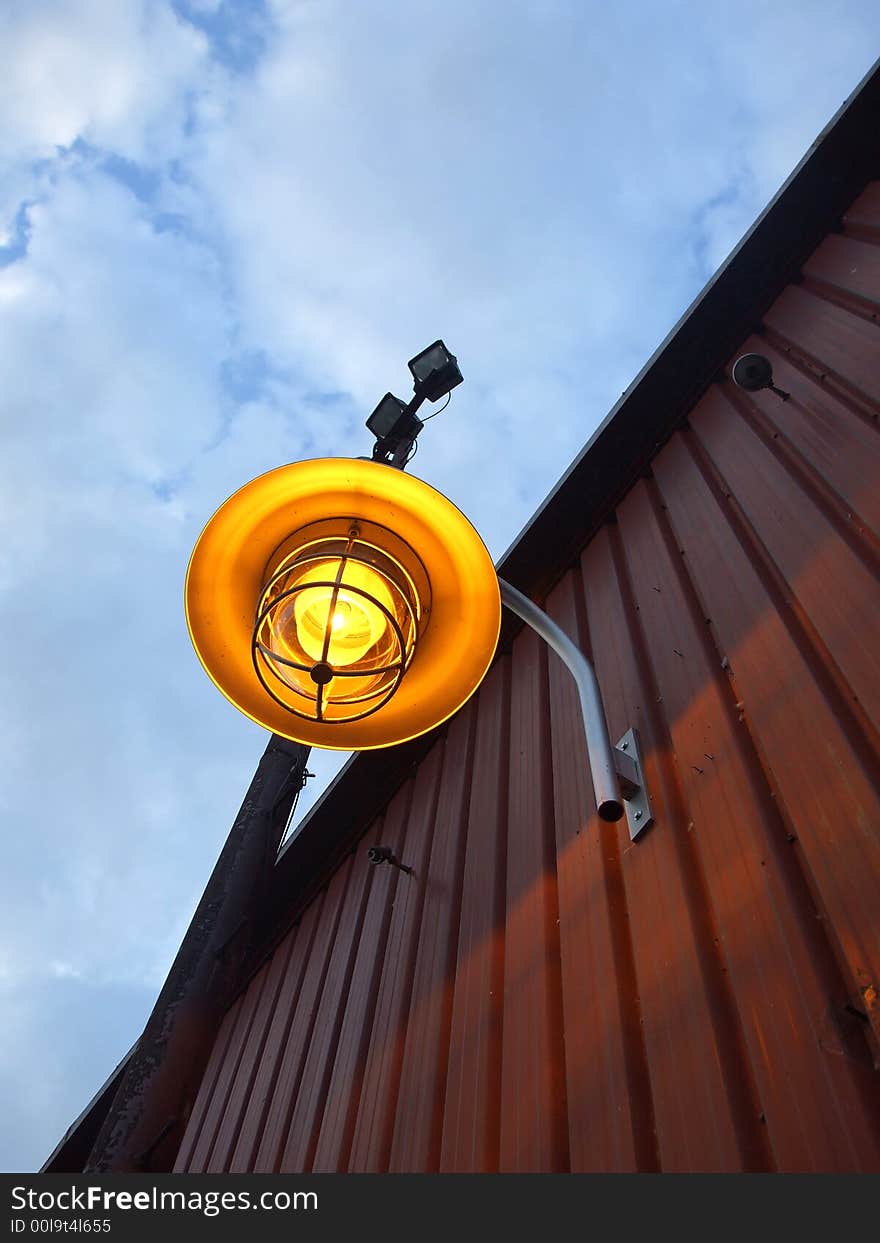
{"x":402,"y":451}
{"x":617,"y":772}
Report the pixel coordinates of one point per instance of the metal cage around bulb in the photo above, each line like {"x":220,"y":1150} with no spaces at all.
{"x":338,"y":620}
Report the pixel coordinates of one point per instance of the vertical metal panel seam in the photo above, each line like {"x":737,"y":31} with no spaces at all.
{"x":501,"y":903}
{"x":857,"y":728}
{"x":826,"y":272}
{"x":635,"y":1053}
{"x":252,"y":998}
{"x":861,"y":231}
{"x":823,"y":375}
{"x":808,"y":505}
{"x":501,"y":896}
{"x":847,"y":524}
{"x":839,"y":445}
{"x":206,"y":1090}
{"x":384,"y":1156}
{"x":820,"y":329}
{"x":282,"y":1043}
{"x":370,"y":1008}
{"x":220,"y":1092}
{"x":859,"y":224}
{"x":800,"y":630}
{"x":373,"y":1129}
{"x":285,"y":950}
{"x":752,"y":1140}
{"x":424,"y":1070}
{"x":333,"y":1042}
{"x":847,"y":269}
{"x":552,"y":917}
{"x":855,"y":304}
{"x":452,"y":947}
{"x":291,"y":1104}
{"x":781,"y":843}
{"x":530,"y":1103}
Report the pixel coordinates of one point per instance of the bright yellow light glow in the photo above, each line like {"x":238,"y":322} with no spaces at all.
{"x":345,"y":605}
{"x":357,"y":623}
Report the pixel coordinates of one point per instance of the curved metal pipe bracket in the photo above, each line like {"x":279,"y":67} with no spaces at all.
{"x":617,"y":772}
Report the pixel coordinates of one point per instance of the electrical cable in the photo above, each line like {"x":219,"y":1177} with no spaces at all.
{"x":442,"y":408}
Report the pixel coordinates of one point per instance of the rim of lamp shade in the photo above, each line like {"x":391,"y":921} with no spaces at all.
{"x":228,"y":567}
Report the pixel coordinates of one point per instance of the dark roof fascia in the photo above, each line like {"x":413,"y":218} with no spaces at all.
{"x":811,"y":203}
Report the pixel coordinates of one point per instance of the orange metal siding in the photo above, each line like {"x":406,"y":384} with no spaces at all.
{"x":471,"y":1102}
{"x":542,"y":993}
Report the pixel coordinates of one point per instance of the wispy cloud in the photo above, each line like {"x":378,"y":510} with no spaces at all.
{"x":225,"y":227}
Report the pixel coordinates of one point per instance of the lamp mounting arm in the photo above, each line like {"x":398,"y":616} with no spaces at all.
{"x":617,"y":772}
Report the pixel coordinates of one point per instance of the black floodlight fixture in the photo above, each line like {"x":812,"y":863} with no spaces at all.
{"x":395,"y":426}
{"x":394,"y":423}
{"x":435,"y":372}
{"x":389,"y":418}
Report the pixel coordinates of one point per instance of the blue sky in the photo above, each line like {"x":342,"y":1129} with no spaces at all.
{"x":225,"y":225}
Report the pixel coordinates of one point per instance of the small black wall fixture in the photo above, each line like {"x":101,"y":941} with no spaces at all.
{"x":384,"y":854}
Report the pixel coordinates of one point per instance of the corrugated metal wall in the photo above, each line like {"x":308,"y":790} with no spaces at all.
{"x":544,"y":995}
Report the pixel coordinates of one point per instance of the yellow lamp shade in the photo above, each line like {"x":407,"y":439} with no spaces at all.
{"x":343,"y":604}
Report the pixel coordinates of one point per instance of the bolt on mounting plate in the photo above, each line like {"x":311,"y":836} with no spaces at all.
{"x":633,"y":788}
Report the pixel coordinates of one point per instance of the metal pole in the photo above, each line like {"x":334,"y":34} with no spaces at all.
{"x":599,"y":748}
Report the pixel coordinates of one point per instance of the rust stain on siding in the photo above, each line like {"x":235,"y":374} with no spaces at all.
{"x":541,"y":994}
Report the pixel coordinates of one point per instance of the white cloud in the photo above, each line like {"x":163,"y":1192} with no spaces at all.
{"x":544,"y":184}
{"x":107,"y":73}
{"x":64,"y":971}
{"x":534,"y":188}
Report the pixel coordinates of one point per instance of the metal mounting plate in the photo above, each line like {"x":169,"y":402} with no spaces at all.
{"x":636,"y":803}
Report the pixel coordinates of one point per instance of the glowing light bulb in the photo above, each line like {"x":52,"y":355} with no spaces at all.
{"x":355,"y":624}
